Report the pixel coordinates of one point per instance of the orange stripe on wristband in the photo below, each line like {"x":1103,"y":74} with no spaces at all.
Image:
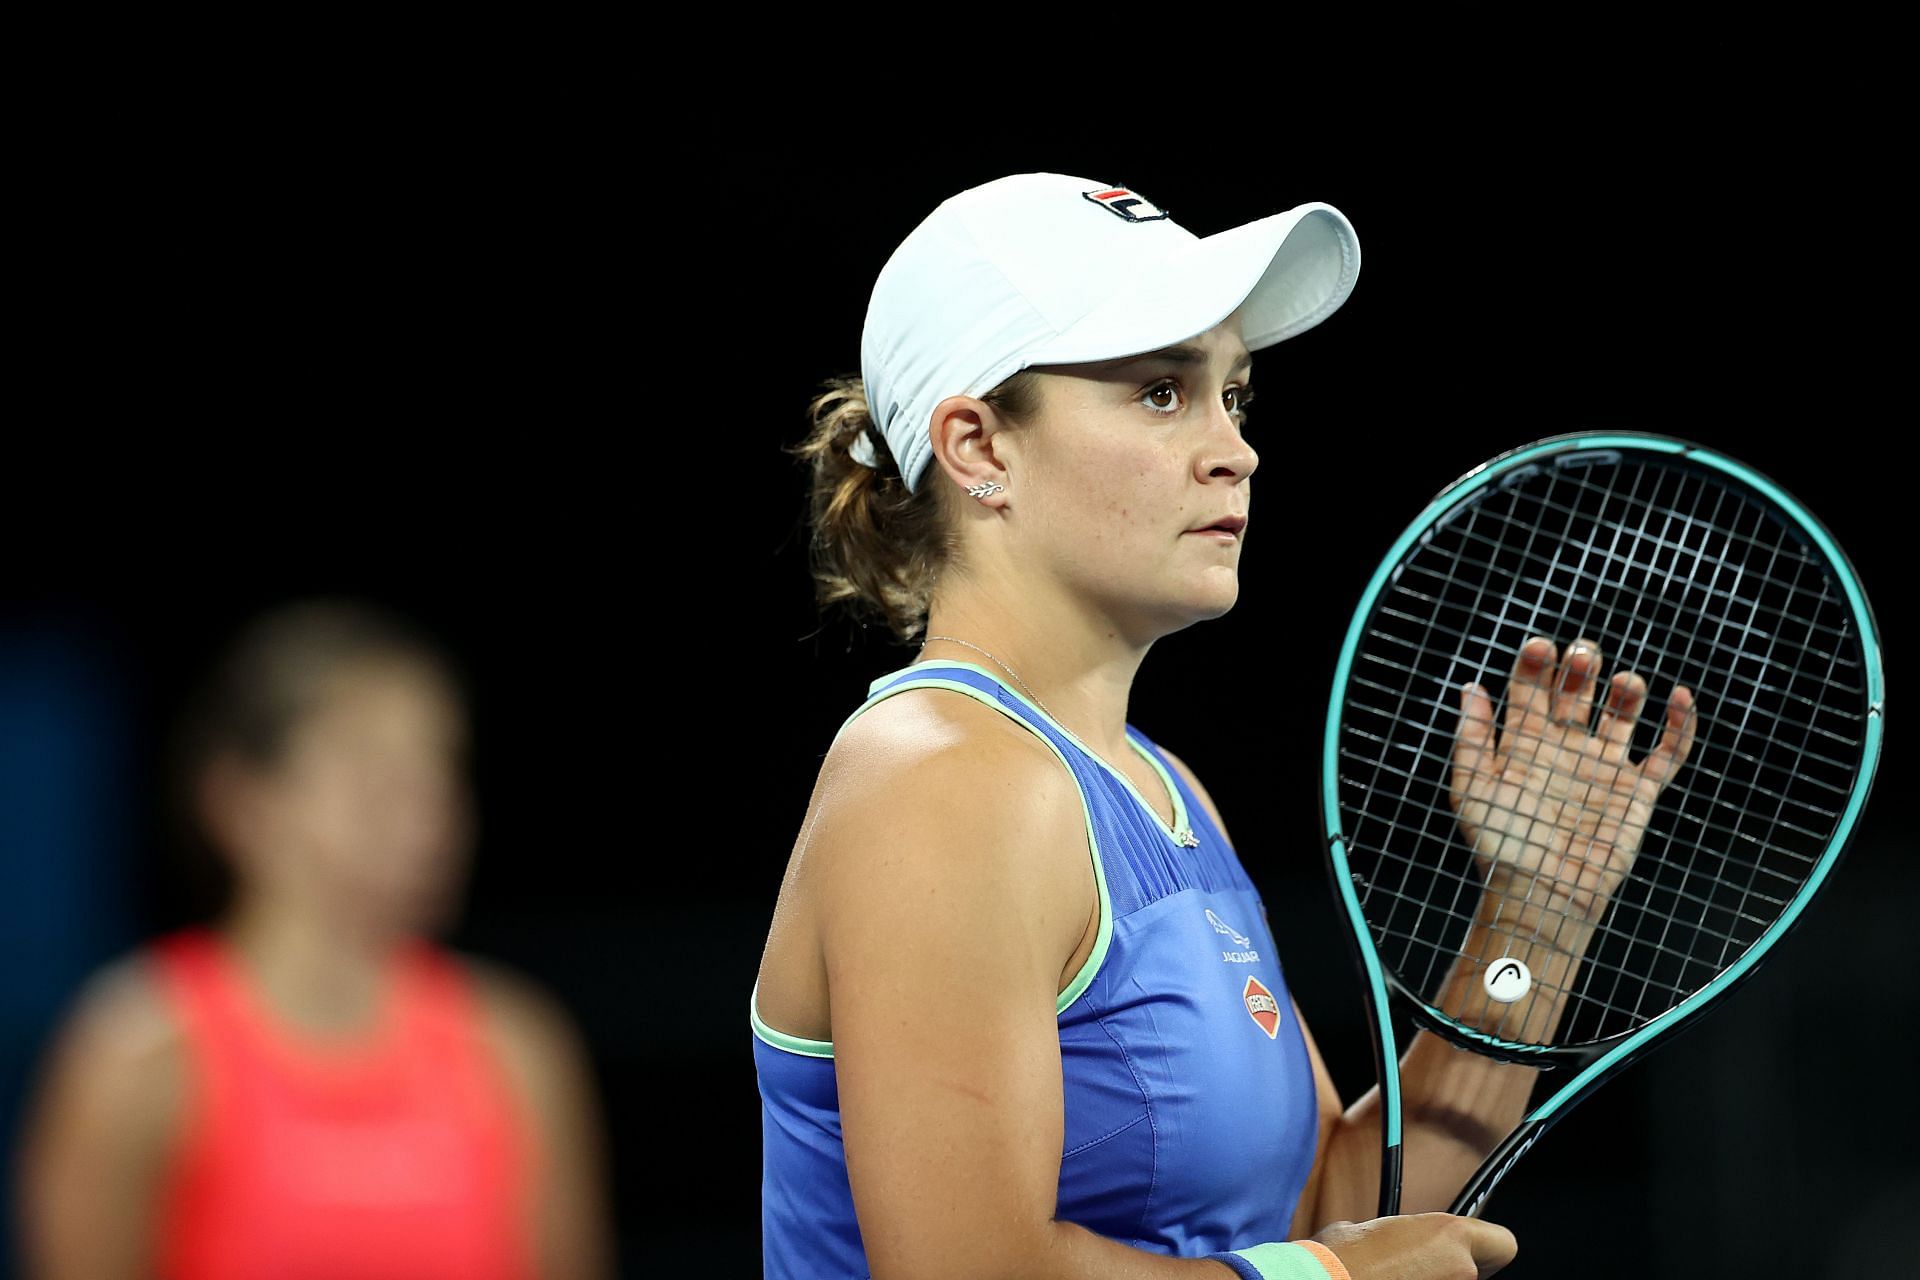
{"x":1326,"y":1257}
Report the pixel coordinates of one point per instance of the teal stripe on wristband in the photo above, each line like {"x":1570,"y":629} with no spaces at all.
{"x":1272,"y":1262}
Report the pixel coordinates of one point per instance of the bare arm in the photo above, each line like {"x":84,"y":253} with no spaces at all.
{"x":572,"y":1224}
{"x":1456,"y":1107}
{"x":944,"y":934}
{"x":97,"y":1133}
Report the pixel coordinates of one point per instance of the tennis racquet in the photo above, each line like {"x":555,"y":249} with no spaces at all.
{"x":1564,"y":863}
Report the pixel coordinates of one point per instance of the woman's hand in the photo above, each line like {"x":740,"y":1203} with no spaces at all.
{"x":1420,"y":1246}
{"x":1552,"y":805}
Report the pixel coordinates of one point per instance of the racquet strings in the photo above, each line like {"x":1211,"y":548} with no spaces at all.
{"x":1680,"y":574}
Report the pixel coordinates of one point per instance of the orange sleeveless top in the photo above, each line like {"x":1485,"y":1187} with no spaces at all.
{"x":400,"y":1154}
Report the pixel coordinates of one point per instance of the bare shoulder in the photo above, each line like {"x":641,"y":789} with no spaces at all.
{"x":940,"y":778}
{"x":920,"y":724}
{"x":925,"y":744}
{"x":526,"y":1024}
{"x":120,"y":1033}
{"x":108,"y":1098}
{"x":1185,"y":771}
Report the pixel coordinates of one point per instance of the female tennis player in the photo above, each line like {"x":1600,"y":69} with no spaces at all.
{"x":1014,"y":1019}
{"x":312,"y":1087}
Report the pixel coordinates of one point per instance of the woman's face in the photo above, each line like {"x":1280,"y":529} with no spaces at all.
{"x":1129,"y":456}
{"x":370,"y":808}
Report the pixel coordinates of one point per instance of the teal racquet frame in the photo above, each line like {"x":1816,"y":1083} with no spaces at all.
{"x":1593,"y":1063}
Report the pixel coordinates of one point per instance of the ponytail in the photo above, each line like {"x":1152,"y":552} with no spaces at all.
{"x":877,"y":549}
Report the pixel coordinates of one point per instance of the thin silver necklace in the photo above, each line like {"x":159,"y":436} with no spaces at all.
{"x":1010,"y":671}
{"x":1184,"y":836}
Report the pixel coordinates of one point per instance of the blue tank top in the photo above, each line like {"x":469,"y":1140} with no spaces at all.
{"x":1190,"y":1114}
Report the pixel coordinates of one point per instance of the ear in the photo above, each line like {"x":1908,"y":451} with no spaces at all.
{"x":230,"y":804}
{"x":963,"y":432}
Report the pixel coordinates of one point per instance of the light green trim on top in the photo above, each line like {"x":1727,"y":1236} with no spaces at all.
{"x":1180,"y":819}
{"x":1181,"y":822}
{"x":1102,"y":940}
{"x":780,"y":1039}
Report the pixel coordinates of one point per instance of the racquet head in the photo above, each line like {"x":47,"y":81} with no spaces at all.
{"x":1559,"y":863}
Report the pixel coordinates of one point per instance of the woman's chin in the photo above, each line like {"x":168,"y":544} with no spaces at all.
{"x":1222,"y":593}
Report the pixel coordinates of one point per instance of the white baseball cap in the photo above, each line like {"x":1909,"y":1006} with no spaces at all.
{"x":1042,"y":268}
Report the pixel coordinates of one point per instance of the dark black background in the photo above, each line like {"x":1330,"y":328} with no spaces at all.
{"x":541,"y":410}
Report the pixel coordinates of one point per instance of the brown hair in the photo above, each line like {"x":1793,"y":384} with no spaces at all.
{"x":272,"y":674}
{"x":878,"y":549}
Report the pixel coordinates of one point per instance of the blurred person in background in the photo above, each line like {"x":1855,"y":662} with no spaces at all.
{"x":311,"y":1086}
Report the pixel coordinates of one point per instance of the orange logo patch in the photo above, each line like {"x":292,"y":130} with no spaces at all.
{"x":1262,"y":1006}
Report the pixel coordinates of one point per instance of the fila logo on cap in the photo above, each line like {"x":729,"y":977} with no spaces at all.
{"x":1261,"y":1004}
{"x":1123,"y":203}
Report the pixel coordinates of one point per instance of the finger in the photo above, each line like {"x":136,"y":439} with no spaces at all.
{"x":1626,"y":694}
{"x":1529,"y":700}
{"x":1676,"y":739}
{"x":1574,"y":684}
{"x":1492,"y":1245}
{"x":1473,"y":740}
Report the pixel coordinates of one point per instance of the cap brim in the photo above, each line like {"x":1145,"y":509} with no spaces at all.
{"x":1290,"y":270}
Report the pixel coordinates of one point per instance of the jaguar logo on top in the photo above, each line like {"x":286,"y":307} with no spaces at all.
{"x":1243,"y":952}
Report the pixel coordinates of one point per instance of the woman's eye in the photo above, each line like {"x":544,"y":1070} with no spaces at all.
{"x":1242,"y":397}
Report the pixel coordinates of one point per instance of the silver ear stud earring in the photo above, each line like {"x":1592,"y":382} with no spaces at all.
{"x":982,"y":490}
